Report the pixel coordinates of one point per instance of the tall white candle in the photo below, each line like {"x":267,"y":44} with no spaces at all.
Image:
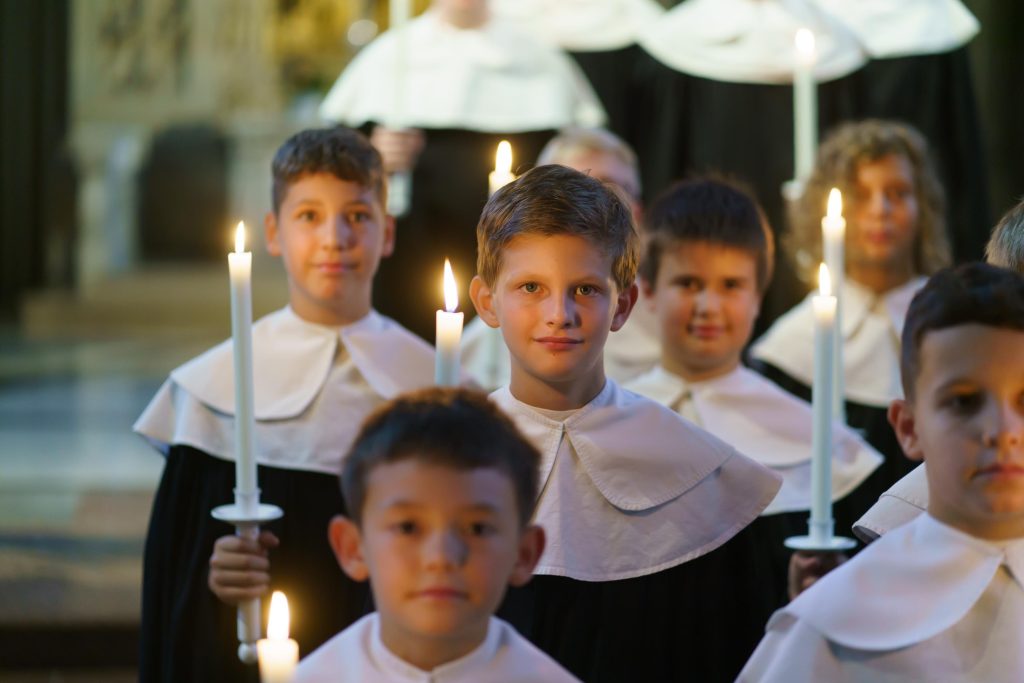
{"x":400,"y":182}
{"x":278,"y":654}
{"x":240,"y":267}
{"x":502,"y":173}
{"x":821,"y":403}
{"x":805,"y":105}
{"x":833,"y":235}
{"x":448,"y":334}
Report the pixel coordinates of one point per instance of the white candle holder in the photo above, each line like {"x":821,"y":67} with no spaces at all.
{"x":247,"y":514}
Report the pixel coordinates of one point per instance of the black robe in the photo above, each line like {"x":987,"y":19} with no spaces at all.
{"x":187,"y":634}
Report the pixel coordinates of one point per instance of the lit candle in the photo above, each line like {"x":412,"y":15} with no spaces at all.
{"x":240,"y":267}
{"x":833,"y":234}
{"x":278,"y":654}
{"x":449,"y":333}
{"x":821,"y":403}
{"x":805,"y":105}
{"x":502,"y":173}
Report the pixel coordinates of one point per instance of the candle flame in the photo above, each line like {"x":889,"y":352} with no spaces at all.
{"x":835,"y":203}
{"x":503,"y":158}
{"x":277,"y":625}
{"x":805,"y":43}
{"x":824,"y":281}
{"x":240,"y":237}
{"x":451,"y":292}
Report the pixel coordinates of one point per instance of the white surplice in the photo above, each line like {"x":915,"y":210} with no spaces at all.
{"x":358,"y":655}
{"x":750,"y":41}
{"x":872,"y":325}
{"x":767,"y":424}
{"x":494,"y":79}
{"x":900,"y":28}
{"x":628,"y":488}
{"x":582,"y":25}
{"x":925,"y":602}
{"x":904,"y":501}
{"x":313,"y":385}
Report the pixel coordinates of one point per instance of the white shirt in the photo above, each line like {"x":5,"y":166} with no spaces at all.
{"x":766,"y":423}
{"x":872,"y":326}
{"x":358,"y":655}
{"x":905,"y":500}
{"x":750,"y":41}
{"x":898,"y":28}
{"x":926,"y":602}
{"x":628,"y":488}
{"x":582,"y":25}
{"x":313,"y":385}
{"x":495,"y":78}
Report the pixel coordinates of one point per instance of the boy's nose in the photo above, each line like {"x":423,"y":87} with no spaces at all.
{"x":707,"y":301}
{"x":338,"y":233}
{"x":1006,"y":431}
{"x":561,"y":311}
{"x":444,"y":550}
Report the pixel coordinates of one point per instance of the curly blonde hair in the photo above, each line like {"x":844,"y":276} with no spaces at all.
{"x":839,"y":157}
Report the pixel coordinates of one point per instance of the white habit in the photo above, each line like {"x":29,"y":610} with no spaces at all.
{"x":582,"y":25}
{"x":926,"y":602}
{"x":766,"y":423}
{"x":357,"y":655}
{"x":905,"y":500}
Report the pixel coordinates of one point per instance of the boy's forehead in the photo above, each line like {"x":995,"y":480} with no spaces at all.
{"x":414,"y":481}
{"x":532,"y":249}
{"x":963,"y":352}
{"x":327,"y":187}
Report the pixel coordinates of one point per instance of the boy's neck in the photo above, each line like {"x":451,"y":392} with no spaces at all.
{"x":880,"y":278}
{"x":426,"y":654}
{"x":346,"y":312}
{"x":691,"y":374}
{"x":552,"y":395}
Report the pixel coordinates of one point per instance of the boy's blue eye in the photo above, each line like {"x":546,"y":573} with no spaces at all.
{"x":531,"y":287}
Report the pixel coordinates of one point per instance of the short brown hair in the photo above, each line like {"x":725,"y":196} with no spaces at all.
{"x":450,"y":427}
{"x":840,"y":155}
{"x":710,"y":210}
{"x":342,"y":152}
{"x":1005,"y":247}
{"x":973,"y":293}
{"x":556,"y":200}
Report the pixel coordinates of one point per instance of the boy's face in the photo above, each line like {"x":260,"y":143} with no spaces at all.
{"x":331,"y":234}
{"x":706,"y":300}
{"x":555,"y":301}
{"x":883,"y":212}
{"x":439,"y":546}
{"x":966,"y":421}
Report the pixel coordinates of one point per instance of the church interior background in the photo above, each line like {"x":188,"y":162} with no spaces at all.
{"x":133,"y":134}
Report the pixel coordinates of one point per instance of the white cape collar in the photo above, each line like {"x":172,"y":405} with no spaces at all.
{"x":899,"y":28}
{"x":908,"y":586}
{"x":905,"y":500}
{"x":582,"y":25}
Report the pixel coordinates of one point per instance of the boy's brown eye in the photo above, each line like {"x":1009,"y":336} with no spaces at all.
{"x":586,"y":290}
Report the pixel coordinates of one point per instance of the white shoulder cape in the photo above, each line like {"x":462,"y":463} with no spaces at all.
{"x":767,"y":424}
{"x":494,"y":79}
{"x":899,"y":28}
{"x":582,"y":25}
{"x":750,"y":41}
{"x":904,"y":501}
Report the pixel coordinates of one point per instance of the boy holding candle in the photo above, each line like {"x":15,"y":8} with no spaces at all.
{"x":320,"y":365}
{"x":651,"y":571}
{"x":942,"y":597}
{"x":709,"y":256}
{"x":440,"y":489}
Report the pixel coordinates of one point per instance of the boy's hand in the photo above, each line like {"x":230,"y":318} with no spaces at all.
{"x":807,"y":567}
{"x":239,"y":568}
{"x":399,"y":147}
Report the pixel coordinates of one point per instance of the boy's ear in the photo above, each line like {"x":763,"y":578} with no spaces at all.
{"x":623,"y":305}
{"x":388,"y":248}
{"x":901,"y":417}
{"x":347,"y":544}
{"x":531,"y":546}
{"x":271,"y":234}
{"x":483,"y":301}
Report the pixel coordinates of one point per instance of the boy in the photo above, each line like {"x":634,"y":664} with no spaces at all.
{"x":709,"y":258}
{"x":632,"y":349}
{"x":649,"y":573}
{"x":939,"y":598}
{"x":320,"y":366}
{"x":440,"y":489}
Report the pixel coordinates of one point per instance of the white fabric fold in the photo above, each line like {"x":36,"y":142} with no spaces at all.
{"x":750,"y":41}
{"x":904,"y":501}
{"x":582,"y":25}
{"x":900,"y":28}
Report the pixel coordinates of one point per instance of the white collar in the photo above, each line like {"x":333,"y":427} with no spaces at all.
{"x":750,"y":41}
{"x":905,"y":500}
{"x":898,"y":28}
{"x":582,"y":25}
{"x":766,"y":423}
{"x":398,"y":669}
{"x":908,"y":586}
{"x":291,"y":359}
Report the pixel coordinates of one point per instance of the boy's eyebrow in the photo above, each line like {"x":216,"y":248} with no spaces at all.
{"x":401,"y":503}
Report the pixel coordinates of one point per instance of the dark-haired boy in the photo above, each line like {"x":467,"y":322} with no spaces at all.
{"x":649,"y":573}
{"x":709,"y":259}
{"x":320,"y":365}
{"x":440,"y":488}
{"x":939,"y":598}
